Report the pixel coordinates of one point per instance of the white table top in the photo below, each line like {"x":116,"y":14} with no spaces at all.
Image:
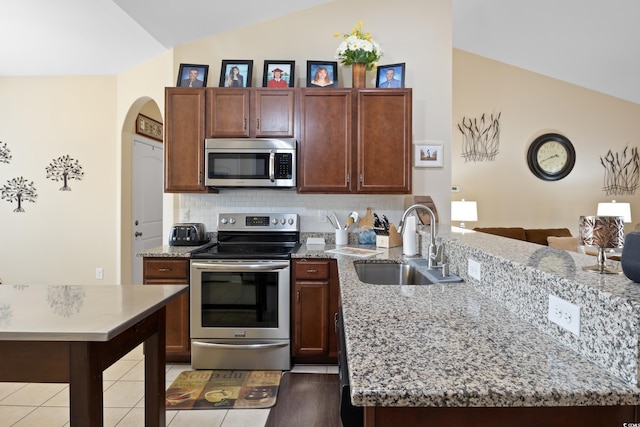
{"x":77,"y":312}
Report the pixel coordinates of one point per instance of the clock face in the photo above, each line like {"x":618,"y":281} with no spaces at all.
{"x":551,"y":157}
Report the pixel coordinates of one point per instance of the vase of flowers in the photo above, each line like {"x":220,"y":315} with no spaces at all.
{"x":360,"y":51}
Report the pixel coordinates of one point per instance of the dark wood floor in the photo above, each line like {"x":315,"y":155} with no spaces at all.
{"x":310,"y":400}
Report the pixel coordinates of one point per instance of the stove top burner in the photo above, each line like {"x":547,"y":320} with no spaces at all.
{"x":246,"y":251}
{"x":251,"y":236}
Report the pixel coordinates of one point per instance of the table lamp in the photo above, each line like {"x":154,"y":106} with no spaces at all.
{"x":464,"y":211}
{"x":604,"y":232}
{"x":615,"y":209}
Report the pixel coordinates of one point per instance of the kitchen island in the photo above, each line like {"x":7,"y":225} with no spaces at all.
{"x":56,"y":334}
{"x":467,"y":354}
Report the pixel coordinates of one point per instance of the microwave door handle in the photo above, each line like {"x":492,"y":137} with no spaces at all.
{"x":239,"y":267}
{"x":272,"y":166}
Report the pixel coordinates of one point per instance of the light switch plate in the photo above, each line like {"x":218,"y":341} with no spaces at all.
{"x":474,"y":269}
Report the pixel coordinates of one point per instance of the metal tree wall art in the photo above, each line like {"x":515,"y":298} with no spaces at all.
{"x":480,"y":138}
{"x":18,"y":189}
{"x":5,"y":153}
{"x":621,"y":173}
{"x":63,"y":169}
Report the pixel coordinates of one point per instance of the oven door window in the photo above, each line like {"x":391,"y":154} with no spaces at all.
{"x":238,"y":166}
{"x":240,"y":299}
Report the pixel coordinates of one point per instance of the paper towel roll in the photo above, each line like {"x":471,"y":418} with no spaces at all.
{"x":409,"y":236}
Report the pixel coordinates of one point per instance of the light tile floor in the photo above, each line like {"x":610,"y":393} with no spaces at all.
{"x":47,"y":405}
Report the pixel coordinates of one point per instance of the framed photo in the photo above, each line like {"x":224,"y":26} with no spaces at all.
{"x":192,"y":75}
{"x":390,"y":76}
{"x":428,"y":155}
{"x":322,"y":74}
{"x":279,"y":74}
{"x":148,"y":127}
{"x":236,"y":73}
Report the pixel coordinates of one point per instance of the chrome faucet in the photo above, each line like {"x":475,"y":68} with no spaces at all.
{"x":434,"y":253}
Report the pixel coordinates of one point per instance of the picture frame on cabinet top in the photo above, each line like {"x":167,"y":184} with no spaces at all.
{"x":427,"y":155}
{"x":192,"y":75}
{"x":390,"y":76}
{"x":287,"y":71}
{"x":315,"y":74}
{"x":230,"y":78}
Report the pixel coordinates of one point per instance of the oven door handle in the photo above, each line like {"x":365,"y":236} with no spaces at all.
{"x":239,"y":346}
{"x":239,"y":267}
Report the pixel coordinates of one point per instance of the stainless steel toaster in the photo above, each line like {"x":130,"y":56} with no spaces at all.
{"x":188,"y":234}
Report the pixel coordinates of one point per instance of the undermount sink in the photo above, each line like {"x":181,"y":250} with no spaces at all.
{"x":389,"y":273}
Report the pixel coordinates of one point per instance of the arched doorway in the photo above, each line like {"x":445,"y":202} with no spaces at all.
{"x":142,"y":191}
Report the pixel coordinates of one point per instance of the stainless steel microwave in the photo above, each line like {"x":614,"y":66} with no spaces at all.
{"x":250,"y":162}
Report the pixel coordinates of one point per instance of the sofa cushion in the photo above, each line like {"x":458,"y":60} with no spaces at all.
{"x":512,"y":232}
{"x":564,"y":243}
{"x":539,"y":235}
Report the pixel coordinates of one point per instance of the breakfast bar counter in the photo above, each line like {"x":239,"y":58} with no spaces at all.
{"x":71,"y":334}
{"x":453,"y":352}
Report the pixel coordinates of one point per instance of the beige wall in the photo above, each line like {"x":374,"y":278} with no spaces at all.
{"x":63,"y":236}
{"x":508,"y":194}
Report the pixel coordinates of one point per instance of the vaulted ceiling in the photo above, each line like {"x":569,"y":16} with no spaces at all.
{"x":590,"y":43}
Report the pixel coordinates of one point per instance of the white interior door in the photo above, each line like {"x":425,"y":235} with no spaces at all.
{"x":146,"y":194}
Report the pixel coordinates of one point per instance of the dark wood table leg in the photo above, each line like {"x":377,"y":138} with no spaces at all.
{"x":154,"y":375}
{"x":85,"y":385}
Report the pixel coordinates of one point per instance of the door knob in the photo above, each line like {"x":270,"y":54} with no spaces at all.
{"x":138,"y":234}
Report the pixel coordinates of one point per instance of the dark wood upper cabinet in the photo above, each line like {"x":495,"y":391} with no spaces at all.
{"x":184,"y":140}
{"x":250,"y":112}
{"x":355,"y":141}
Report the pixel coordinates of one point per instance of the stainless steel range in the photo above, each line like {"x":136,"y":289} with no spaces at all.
{"x":240,"y":287}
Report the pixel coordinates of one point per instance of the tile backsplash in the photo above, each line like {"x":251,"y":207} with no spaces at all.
{"x":311,"y":207}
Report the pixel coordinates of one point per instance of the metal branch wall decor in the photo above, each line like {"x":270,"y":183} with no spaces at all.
{"x":621,"y":173}
{"x":5,"y":153}
{"x":18,"y":189}
{"x":480,"y":138}
{"x":63,"y":169}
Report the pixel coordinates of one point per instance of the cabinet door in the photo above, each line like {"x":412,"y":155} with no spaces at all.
{"x":184,"y":140}
{"x":311,"y":323}
{"x":324,"y":142}
{"x":172,"y":271}
{"x":274,"y":113}
{"x":228,"y":113}
{"x":384,"y":141}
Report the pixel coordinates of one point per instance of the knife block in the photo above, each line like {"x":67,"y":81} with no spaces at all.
{"x":392,"y":240}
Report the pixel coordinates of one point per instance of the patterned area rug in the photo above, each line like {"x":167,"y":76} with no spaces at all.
{"x":223,"y":390}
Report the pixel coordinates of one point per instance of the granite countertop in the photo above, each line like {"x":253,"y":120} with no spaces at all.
{"x":167,"y":251}
{"x":450,"y":346}
{"x":76,"y":312}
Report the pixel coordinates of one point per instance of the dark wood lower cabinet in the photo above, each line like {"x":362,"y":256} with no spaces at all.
{"x":314,"y":307}
{"x":170,"y":271}
{"x":584,"y":416}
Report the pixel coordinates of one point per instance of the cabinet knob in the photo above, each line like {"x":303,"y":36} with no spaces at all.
{"x":257,"y":123}
{"x":298,"y":296}
{"x":245,"y":123}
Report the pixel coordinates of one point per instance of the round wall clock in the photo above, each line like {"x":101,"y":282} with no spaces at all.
{"x":551,"y":157}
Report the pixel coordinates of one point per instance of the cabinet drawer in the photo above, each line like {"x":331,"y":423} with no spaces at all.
{"x":312,"y":270}
{"x":159,"y":268}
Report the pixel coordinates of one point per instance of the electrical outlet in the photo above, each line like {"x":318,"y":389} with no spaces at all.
{"x":184,"y":215}
{"x":564,"y":314}
{"x":474,"y":269}
{"x":99,"y":273}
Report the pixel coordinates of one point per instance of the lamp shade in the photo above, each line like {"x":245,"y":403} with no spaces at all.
{"x":601,"y":231}
{"x":615,"y":209}
{"x":464,"y":211}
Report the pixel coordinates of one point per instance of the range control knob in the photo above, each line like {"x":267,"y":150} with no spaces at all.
{"x":283,"y":221}
{"x":232,"y":220}
{"x":290,"y":221}
{"x":274,"y":221}
{"x":223,"y":220}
